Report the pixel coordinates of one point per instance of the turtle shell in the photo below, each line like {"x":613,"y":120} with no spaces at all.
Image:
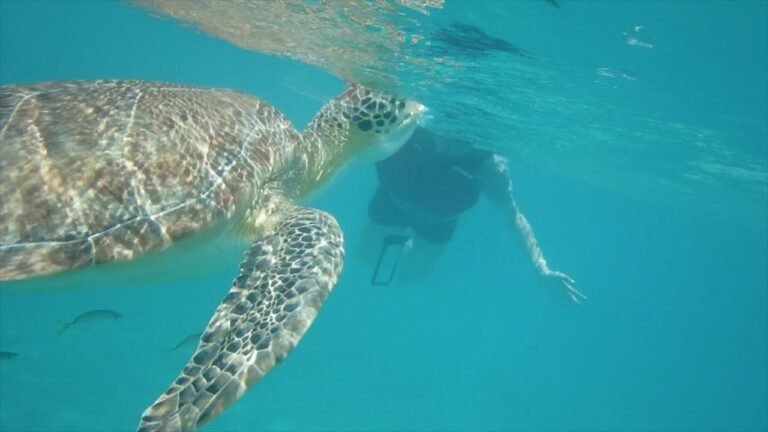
{"x":99,"y":171}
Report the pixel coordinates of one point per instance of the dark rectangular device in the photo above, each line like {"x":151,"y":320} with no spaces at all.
{"x":389,"y":257}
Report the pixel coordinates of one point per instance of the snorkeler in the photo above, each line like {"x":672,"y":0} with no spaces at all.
{"x":423,"y":190}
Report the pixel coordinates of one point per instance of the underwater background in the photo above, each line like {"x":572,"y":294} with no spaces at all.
{"x":637,"y":134}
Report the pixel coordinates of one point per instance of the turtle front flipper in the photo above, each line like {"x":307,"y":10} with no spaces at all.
{"x":283,"y":281}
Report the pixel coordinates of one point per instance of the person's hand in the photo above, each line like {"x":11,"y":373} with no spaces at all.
{"x":562,"y":280}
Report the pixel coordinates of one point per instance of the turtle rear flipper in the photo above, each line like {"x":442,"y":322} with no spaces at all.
{"x":283,"y":281}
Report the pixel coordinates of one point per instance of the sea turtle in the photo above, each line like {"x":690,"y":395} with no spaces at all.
{"x":100,"y":171}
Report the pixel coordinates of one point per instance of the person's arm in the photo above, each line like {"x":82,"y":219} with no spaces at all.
{"x":496,"y":183}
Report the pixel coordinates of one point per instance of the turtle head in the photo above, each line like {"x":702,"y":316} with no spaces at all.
{"x":377,"y":123}
{"x":359,"y":123}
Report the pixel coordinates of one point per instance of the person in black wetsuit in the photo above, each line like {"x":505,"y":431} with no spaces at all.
{"x":425,"y":187}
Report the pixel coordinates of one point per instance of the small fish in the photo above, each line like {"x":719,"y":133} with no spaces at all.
{"x":5,"y":355}
{"x":555,"y":3}
{"x":94,"y":315}
{"x":187,"y":341}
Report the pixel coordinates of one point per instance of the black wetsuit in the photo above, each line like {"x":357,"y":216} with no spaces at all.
{"x":426,"y":190}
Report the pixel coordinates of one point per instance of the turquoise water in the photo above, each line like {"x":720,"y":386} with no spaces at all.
{"x":642,"y":170}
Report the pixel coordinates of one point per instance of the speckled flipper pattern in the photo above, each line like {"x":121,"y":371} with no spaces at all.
{"x":284,"y":279}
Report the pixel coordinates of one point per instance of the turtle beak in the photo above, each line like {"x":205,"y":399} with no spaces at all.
{"x":413,"y":115}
